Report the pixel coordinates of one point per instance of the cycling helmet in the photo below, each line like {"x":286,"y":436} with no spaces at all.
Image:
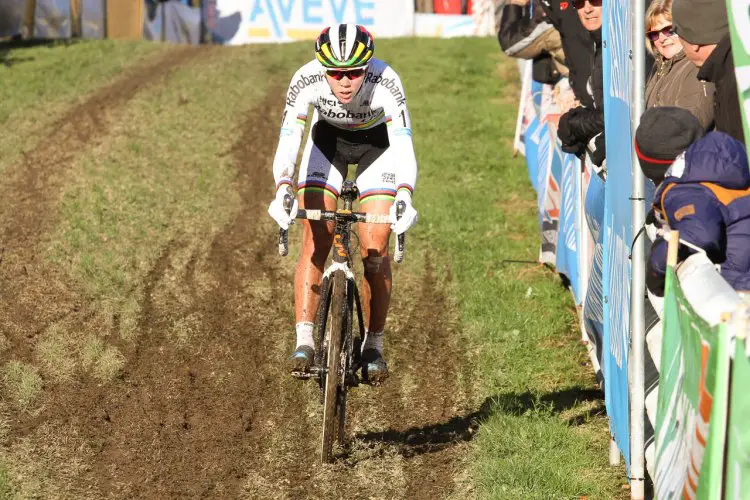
{"x":344,"y":46}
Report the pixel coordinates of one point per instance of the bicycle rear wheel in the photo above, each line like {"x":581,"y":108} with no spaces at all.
{"x":334,"y":403}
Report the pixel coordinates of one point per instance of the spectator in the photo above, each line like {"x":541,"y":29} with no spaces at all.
{"x":524,"y":33}
{"x":704,"y":32}
{"x":576,"y":43}
{"x":706,"y":197}
{"x":582,"y":124}
{"x":673,"y":80}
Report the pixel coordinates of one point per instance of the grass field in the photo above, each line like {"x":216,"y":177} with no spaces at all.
{"x":145,"y":319}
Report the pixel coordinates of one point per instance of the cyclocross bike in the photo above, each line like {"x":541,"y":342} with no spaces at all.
{"x":337,"y":351}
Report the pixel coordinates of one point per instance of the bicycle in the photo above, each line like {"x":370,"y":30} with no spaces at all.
{"x":337,"y":352}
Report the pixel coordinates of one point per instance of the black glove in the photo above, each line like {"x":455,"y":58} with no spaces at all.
{"x":564,"y":131}
{"x":582,"y":124}
{"x":598,"y":155}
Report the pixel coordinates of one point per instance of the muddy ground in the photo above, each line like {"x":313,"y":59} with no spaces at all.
{"x":219,"y":417}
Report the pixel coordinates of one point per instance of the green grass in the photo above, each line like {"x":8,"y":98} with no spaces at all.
{"x":477,"y":208}
{"x":40,"y":83}
{"x":161,"y":179}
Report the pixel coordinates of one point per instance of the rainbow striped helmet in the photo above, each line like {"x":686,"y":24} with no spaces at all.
{"x":344,"y":46}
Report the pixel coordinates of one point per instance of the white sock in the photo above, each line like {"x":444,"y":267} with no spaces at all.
{"x":304,"y":334}
{"x":373,"y":340}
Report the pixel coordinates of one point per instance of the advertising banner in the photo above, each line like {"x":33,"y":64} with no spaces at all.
{"x":568,"y":241}
{"x":738,"y":431}
{"x":617,"y":236}
{"x":694,"y":363}
{"x":534,"y":137}
{"x":253,"y":21}
{"x":525,"y":107}
{"x":739,"y":25}
{"x":11,"y":18}
{"x":52,"y":19}
{"x":444,"y":25}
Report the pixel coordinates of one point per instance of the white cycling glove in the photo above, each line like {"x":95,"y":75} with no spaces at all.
{"x":276,"y":208}
{"x":409,"y":217}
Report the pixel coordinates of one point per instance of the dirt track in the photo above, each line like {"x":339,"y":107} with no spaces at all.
{"x":221,"y":417}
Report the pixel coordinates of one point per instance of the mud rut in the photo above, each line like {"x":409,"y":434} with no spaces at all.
{"x":221,"y":417}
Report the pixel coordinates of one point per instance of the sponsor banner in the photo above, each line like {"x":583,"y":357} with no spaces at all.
{"x":738,"y":431}
{"x":52,"y":19}
{"x":692,"y":394}
{"x":593,"y":309}
{"x":568,"y":241}
{"x":549,"y":175}
{"x":11,"y":18}
{"x":525,"y":106}
{"x":444,"y":25}
{"x":257,"y":21}
{"x":739,"y":24}
{"x":533,"y":134}
{"x":617,"y":230}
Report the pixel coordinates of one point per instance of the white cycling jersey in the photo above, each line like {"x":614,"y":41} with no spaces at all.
{"x":380,"y":100}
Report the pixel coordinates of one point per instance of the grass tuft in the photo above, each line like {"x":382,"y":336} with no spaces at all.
{"x":109,"y":364}
{"x":56,"y":351}
{"x":22,"y":384}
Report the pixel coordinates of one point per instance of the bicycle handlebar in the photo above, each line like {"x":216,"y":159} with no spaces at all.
{"x":332,"y":215}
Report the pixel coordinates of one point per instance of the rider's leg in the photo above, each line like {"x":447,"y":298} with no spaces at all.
{"x":318,"y":187}
{"x":376,"y":286}
{"x":317,"y":238}
{"x":376,"y":182}
{"x":376,"y":290}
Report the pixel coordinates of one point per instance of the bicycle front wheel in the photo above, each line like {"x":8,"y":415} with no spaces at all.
{"x":334,"y":404}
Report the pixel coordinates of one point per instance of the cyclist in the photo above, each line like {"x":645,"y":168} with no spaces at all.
{"x":359,"y":117}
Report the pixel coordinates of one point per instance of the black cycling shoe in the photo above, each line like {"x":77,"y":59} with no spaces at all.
{"x":374,"y":367}
{"x":302,"y":358}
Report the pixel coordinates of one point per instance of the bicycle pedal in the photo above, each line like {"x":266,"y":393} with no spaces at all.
{"x":304,"y":375}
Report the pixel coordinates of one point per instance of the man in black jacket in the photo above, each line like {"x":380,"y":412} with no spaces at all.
{"x":579,"y":125}
{"x":704,"y":32}
{"x":576,"y":43}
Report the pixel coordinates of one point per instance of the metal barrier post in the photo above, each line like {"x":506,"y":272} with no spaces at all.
{"x":638,"y":267}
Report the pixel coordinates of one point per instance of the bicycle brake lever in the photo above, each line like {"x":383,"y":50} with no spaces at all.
{"x":284,"y":233}
{"x":401,"y":238}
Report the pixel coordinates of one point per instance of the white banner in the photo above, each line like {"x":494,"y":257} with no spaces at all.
{"x":289,"y":20}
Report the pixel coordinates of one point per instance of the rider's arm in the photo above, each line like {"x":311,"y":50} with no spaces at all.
{"x":298,"y":98}
{"x":393,"y":101}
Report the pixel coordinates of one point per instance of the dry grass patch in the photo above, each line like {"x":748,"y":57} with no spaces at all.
{"x":22,"y":384}
{"x":57,"y":353}
{"x":4,"y":343}
{"x":50,"y":464}
{"x":109,"y":364}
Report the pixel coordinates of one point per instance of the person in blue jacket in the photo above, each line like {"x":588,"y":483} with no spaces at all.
{"x":705,"y":195}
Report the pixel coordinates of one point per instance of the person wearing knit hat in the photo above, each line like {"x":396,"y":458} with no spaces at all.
{"x":704,"y":32}
{"x":705,"y":195}
{"x":664,"y":133}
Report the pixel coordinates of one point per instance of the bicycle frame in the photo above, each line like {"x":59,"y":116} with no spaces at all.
{"x":337,"y":354}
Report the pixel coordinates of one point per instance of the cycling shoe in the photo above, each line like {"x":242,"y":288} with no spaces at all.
{"x":374,"y":367}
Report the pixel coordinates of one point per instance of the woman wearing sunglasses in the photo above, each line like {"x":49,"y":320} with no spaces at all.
{"x":674,"y":79}
{"x":359,"y":117}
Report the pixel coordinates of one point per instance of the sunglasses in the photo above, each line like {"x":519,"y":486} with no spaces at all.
{"x":666,"y":30}
{"x":352,"y":74}
{"x":579,"y":4}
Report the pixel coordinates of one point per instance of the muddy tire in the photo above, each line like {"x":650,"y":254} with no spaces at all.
{"x":333,"y":387}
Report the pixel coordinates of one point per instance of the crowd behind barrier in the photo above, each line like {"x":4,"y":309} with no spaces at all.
{"x":697,"y":438}
{"x":235,"y":22}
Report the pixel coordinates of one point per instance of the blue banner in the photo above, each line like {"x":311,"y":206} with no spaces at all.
{"x":534,"y":131}
{"x":617,"y":234}
{"x":593,"y":309}
{"x":569,"y":235}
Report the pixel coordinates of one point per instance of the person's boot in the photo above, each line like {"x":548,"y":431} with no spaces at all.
{"x":302,"y":358}
{"x":374,"y":367}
